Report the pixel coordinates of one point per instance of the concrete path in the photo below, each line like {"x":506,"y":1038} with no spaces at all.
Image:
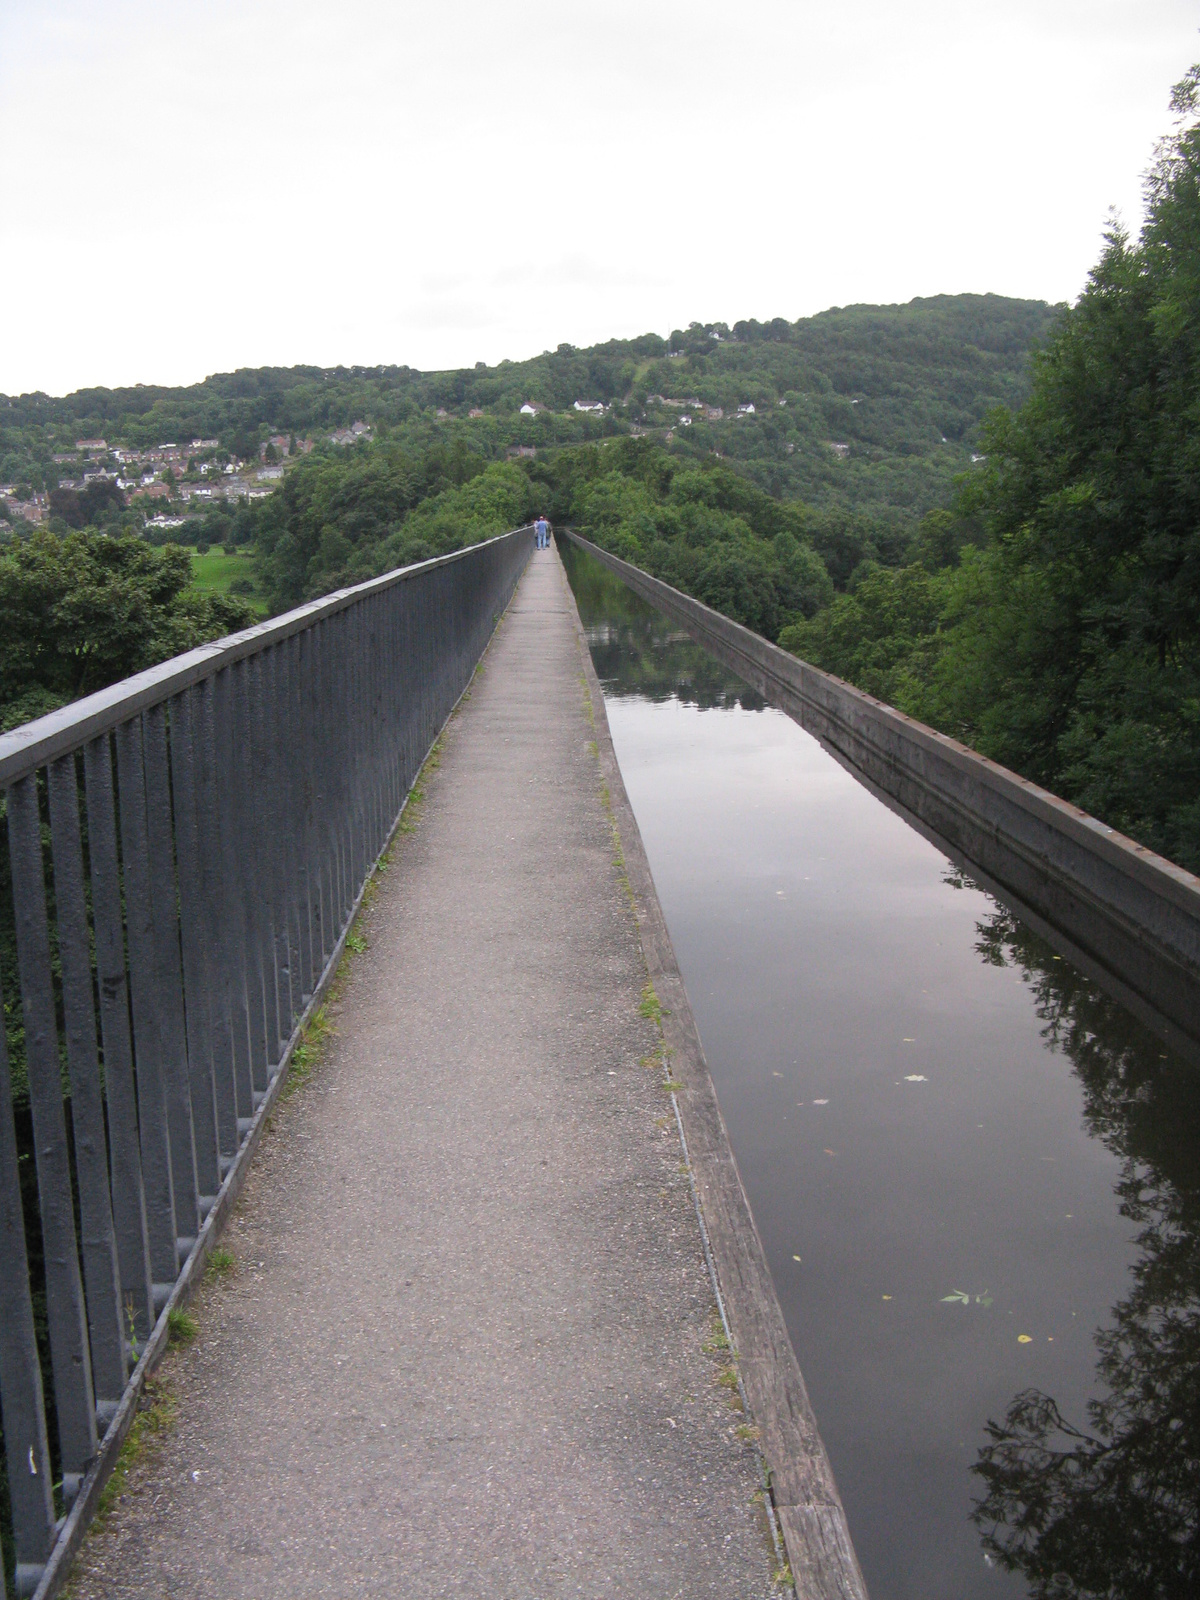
{"x":462,"y":1350}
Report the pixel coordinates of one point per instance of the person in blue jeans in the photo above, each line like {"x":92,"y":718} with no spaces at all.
{"x":542,"y":528}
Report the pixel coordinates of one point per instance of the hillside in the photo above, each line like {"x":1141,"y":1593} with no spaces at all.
{"x":899,"y":390}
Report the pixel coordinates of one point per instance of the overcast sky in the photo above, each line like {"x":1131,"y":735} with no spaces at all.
{"x":188,"y":188}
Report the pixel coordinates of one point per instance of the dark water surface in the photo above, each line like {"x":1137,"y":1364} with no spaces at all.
{"x":976,"y":1176}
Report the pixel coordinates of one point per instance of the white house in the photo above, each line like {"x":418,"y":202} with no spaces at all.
{"x":746,"y":410}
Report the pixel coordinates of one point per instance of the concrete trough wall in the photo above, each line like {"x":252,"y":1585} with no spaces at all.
{"x":1130,"y":918}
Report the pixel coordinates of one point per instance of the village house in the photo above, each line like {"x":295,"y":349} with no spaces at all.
{"x":91,"y":446}
{"x":350,"y":435}
{"x":589,"y":405}
{"x":475,"y":412}
{"x":531,"y":408}
{"x":747,"y":410}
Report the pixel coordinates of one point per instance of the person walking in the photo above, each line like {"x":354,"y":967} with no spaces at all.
{"x":542,"y":528}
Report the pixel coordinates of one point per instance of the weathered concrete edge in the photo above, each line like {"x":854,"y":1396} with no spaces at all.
{"x":75,"y":1525}
{"x":807,"y":1503}
{"x":1136,"y":913}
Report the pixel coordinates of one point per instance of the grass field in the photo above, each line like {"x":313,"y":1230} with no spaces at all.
{"x":214,"y":571}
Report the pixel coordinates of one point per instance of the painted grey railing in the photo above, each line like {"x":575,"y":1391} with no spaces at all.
{"x":187,"y":850}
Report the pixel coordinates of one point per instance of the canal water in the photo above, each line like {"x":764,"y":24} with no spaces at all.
{"x":977,"y":1178}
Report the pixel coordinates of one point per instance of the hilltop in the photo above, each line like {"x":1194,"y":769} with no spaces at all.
{"x":867,"y":408}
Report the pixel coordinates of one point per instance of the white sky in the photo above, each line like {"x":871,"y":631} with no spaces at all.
{"x":188,"y":188}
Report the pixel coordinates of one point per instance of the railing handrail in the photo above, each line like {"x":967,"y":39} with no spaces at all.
{"x":34,"y":744}
{"x":188,"y":849}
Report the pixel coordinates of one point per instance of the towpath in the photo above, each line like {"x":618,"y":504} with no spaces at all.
{"x":462,"y":1349}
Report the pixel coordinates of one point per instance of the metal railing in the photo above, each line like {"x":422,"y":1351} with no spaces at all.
{"x":187,"y":850}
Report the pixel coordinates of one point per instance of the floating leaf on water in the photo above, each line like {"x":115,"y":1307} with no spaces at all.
{"x":887,"y":1297}
{"x":908,"y":1041}
{"x":959,"y":1296}
{"x":915,"y":1077}
{"x":820,"y":1102}
{"x":795,"y":1258}
{"x":831,"y":1152}
{"x":1024,"y":1338}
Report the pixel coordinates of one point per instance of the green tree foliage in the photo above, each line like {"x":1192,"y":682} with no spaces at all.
{"x":900,"y":389}
{"x":341,"y":518}
{"x":99,"y":502}
{"x":1062,"y":635}
{"x":84,"y":610}
{"x":699,"y":526}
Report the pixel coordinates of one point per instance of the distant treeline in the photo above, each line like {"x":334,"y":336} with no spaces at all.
{"x":899,"y":390}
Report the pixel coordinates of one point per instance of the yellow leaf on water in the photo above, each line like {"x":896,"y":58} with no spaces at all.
{"x":1024,"y":1338}
{"x":795,"y":1258}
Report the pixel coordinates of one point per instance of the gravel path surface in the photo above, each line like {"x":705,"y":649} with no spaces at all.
{"x":462,"y":1351}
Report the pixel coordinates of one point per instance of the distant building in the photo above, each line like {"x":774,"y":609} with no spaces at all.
{"x":209,"y":444}
{"x":747,"y":410}
{"x":685,"y":421}
{"x":531,"y":408}
{"x":352,"y":434}
{"x":714,"y":413}
{"x":27,"y":510}
{"x":839,"y":449}
{"x":269,"y":474}
{"x":441,"y":412}
{"x":517,"y":450}
{"x":589,"y":405}
{"x":91,"y":445}
{"x":475,"y":412}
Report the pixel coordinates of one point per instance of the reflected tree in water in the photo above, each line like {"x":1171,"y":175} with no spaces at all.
{"x":637,"y":651}
{"x":1110,"y":1508}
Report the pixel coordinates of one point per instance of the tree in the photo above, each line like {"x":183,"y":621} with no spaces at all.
{"x":1073,"y":651}
{"x":87,"y":609}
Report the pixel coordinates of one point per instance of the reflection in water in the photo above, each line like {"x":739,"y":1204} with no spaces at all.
{"x":1111,"y":1510}
{"x":839,"y":968}
{"x":636,"y":650}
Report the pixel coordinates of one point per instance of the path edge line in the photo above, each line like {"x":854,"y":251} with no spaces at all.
{"x":67,"y":1545}
{"x":806,"y":1499}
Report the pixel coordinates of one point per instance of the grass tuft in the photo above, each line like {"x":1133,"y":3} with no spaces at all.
{"x":650,"y":1007}
{"x":182,"y":1326}
{"x":222,"y":1264}
{"x":155,"y":1419}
